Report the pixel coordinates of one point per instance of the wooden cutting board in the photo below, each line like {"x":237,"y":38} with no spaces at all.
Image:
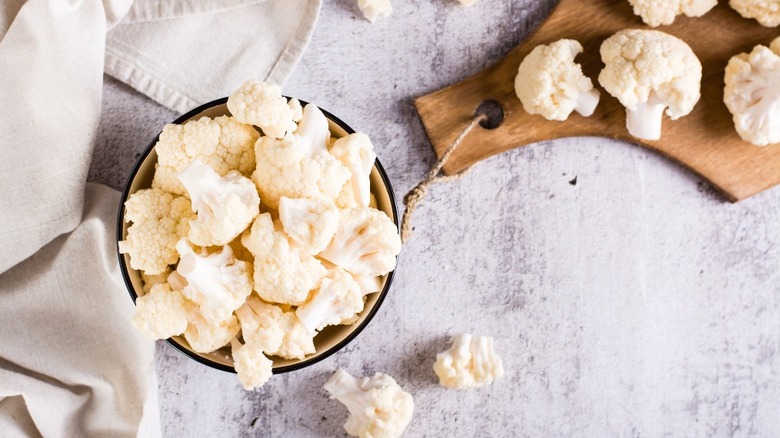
{"x":704,"y":141}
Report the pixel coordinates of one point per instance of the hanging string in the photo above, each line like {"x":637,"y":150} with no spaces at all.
{"x":416,"y":195}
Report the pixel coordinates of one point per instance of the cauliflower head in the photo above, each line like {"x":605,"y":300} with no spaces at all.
{"x":373,"y":9}
{"x":159,"y":219}
{"x":650,"y":71}
{"x":218,"y":283}
{"x":356,"y":153}
{"x":551,"y":84}
{"x":338,"y":299}
{"x":262,"y":104}
{"x":299,"y":165}
{"x":662,"y":12}
{"x":378,"y":407}
{"x":752,"y":94}
{"x":766,"y":12}
{"x":252,"y":366}
{"x":205,"y":335}
{"x":471,"y":362}
{"x":283,"y":272}
{"x":161,"y":313}
{"x":223,"y":143}
{"x":311,"y":223}
{"x":366,"y":242}
{"x":225,"y":205}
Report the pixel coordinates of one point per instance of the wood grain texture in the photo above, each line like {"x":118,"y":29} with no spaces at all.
{"x":704,"y":141}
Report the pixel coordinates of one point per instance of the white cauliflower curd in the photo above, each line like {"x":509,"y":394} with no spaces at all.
{"x":378,"y":407}
{"x":766,"y":12}
{"x":311,"y":223}
{"x":650,"y":71}
{"x":551,"y":84}
{"x":470,"y":362}
{"x":373,"y":9}
{"x":662,"y":12}
{"x":262,"y":104}
{"x":752,"y":94}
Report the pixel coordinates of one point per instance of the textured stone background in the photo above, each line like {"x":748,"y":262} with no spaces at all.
{"x":634,"y":303}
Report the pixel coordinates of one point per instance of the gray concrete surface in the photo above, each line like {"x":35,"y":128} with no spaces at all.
{"x":634,"y":303}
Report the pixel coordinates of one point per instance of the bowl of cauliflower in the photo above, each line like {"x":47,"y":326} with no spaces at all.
{"x":257,"y":234}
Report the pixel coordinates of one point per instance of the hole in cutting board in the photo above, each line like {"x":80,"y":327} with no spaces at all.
{"x":493,"y":111}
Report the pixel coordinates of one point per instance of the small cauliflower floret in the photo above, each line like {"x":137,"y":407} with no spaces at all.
{"x":766,"y":12}
{"x":223,"y":143}
{"x":297,"y":342}
{"x":471,"y":362}
{"x":260,"y":324}
{"x":299,"y":165}
{"x":377,"y":406}
{"x":752,"y":94}
{"x":356,"y":153}
{"x":366,"y":242}
{"x":218,"y":283}
{"x":159,"y":220}
{"x":252,"y":366}
{"x":161,"y":313}
{"x":657,"y":13}
{"x":149,"y":281}
{"x":225,"y":205}
{"x":338,"y":299}
{"x":283,"y":273}
{"x":205,"y":335}
{"x":467,"y":3}
{"x":551,"y":84}
{"x":650,"y":71}
{"x":372,"y":9}
{"x":262,"y":104}
{"x":311,"y":223}
{"x":369,"y":283}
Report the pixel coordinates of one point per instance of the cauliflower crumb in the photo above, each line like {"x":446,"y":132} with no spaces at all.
{"x":222,"y":143}
{"x":262,"y":104}
{"x":662,"y":12}
{"x":551,"y":84}
{"x":159,"y":220}
{"x":766,"y":12}
{"x":470,"y":362}
{"x":373,"y":9}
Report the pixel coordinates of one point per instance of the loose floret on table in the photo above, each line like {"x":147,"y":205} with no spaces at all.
{"x":650,"y":71}
{"x":657,"y":13}
{"x":766,"y":12}
{"x":470,"y":362}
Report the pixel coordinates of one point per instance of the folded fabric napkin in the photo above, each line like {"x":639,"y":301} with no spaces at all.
{"x":70,"y":363}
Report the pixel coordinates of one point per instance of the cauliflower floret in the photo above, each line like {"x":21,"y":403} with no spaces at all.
{"x":283,"y":273}
{"x":225,"y":205}
{"x":252,"y":366}
{"x":471,"y":362}
{"x":649,"y":71}
{"x":205,"y":336}
{"x":766,"y":12}
{"x":662,"y":12}
{"x":149,"y":281}
{"x":752,"y":94}
{"x":366,"y":242}
{"x":467,"y":3}
{"x":218,"y":283}
{"x":299,"y":166}
{"x":311,"y":223}
{"x":260,"y":325}
{"x":356,"y":153}
{"x":159,"y":220}
{"x":223,"y":143}
{"x":372,"y":9}
{"x":262,"y":104}
{"x":369,"y":283}
{"x":161,"y":313}
{"x":338,"y":299}
{"x":377,"y":406}
{"x":551,"y":84}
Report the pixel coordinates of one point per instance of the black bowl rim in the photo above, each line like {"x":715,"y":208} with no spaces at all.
{"x":192,"y":355}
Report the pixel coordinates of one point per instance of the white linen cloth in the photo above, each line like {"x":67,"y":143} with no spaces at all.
{"x":70,"y":363}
